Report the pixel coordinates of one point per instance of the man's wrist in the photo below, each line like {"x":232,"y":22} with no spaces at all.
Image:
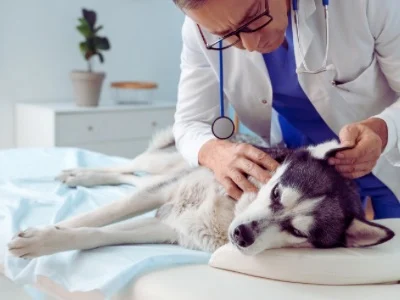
{"x":204,"y":152}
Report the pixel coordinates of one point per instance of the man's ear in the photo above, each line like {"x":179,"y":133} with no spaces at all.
{"x":278,"y":154}
{"x":326,"y":150}
{"x":362,"y":233}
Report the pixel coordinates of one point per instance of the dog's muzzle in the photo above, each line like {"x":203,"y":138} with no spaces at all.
{"x":243,"y":235}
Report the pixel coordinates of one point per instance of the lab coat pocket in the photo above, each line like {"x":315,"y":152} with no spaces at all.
{"x":366,"y":94}
{"x":369,"y":83}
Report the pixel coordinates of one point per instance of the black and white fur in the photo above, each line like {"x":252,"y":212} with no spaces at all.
{"x":305,"y":204}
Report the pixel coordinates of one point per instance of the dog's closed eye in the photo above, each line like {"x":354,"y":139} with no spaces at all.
{"x":276,"y":204}
{"x":297,"y":233}
{"x":288,"y":227}
{"x":275,"y":193}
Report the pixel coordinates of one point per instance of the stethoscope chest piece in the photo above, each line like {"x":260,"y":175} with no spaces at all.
{"x":223,"y":128}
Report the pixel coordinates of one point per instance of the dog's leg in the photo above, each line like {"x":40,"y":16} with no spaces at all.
{"x":94,"y":178}
{"x":38,"y":242}
{"x":141,"y":201}
{"x":157,"y":162}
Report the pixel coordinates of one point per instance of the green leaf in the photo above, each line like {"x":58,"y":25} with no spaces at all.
{"x":86,"y":52}
{"x":84,"y":30}
{"x":84,"y":48}
{"x":101,"y":43}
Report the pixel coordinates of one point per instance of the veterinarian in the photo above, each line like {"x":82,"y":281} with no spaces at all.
{"x":292,"y":86}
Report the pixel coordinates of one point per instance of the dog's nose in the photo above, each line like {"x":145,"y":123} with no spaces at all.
{"x":244,"y":235}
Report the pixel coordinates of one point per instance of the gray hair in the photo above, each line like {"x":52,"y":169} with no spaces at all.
{"x":189,"y":4}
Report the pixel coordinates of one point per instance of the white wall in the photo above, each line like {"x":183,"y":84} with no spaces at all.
{"x":39,"y":47}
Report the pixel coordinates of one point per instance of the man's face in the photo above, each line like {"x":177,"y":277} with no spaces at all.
{"x":221,"y":17}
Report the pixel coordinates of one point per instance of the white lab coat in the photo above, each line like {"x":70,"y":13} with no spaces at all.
{"x":364,"y":49}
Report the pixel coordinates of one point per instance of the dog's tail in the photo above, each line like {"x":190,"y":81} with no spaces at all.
{"x":162,"y":139}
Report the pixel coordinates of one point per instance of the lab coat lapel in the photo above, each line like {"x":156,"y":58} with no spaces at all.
{"x":254,"y":85}
{"x":307,"y":9}
{"x":257,"y":60}
{"x":312,"y":35}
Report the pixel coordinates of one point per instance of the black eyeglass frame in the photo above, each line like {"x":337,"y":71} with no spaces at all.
{"x":242,"y":29}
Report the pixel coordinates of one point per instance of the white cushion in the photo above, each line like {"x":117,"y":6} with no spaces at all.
{"x":339,"y":266}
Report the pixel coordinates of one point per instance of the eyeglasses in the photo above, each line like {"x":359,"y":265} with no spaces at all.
{"x":233,"y":38}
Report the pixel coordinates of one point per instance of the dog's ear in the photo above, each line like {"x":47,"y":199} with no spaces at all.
{"x":278,"y":154}
{"x":326,"y":150}
{"x":332,"y":153}
{"x":362,"y":233}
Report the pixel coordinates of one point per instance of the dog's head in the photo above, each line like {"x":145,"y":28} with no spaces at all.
{"x":307,"y":203}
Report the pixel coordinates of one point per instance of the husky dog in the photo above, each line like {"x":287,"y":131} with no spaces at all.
{"x":306,"y":203}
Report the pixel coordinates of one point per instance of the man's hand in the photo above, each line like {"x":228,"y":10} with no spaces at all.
{"x":368,"y":139}
{"x":232,"y":163}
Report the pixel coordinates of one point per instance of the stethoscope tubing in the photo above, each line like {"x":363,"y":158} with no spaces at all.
{"x":324,"y":67}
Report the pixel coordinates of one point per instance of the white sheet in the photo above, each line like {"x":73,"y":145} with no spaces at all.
{"x":30,"y":197}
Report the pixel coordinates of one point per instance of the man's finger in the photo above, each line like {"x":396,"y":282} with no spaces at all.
{"x":261,"y":158}
{"x":242,"y":182}
{"x":348,"y":135}
{"x":360,"y":151}
{"x":253,"y":169}
{"x":355,"y":175}
{"x":362,"y":167}
{"x":353,"y":161}
{"x":344,"y":161}
{"x":231,"y":188}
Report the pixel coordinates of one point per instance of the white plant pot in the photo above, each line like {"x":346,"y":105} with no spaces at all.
{"x":87,"y":87}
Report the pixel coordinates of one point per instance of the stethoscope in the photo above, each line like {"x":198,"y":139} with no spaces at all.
{"x":324,"y":67}
{"x":223,"y":127}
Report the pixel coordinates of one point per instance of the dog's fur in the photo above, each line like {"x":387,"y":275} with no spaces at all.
{"x":305,"y":204}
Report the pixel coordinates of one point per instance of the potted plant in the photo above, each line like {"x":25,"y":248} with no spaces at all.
{"x":88,"y":84}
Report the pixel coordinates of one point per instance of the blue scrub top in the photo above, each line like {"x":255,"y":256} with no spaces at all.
{"x":302,"y":125}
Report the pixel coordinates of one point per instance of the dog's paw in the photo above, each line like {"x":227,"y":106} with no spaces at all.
{"x":78,"y":177}
{"x":35,"y":242}
{"x":65,"y":174}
